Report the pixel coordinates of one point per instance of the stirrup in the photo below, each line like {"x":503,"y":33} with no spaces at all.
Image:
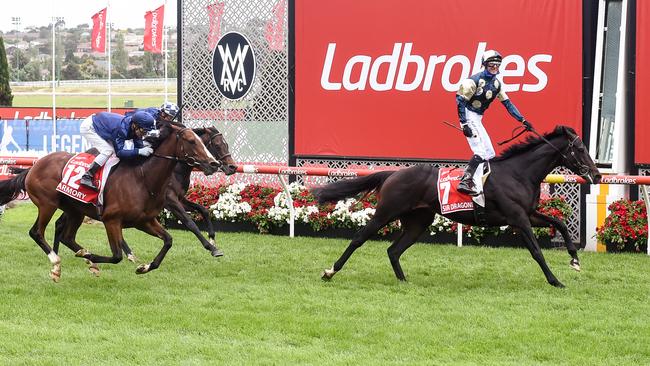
{"x":88,"y":183}
{"x":465,"y":188}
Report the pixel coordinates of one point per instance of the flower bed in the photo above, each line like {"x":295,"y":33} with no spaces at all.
{"x":266,"y":209}
{"x":626,"y":227}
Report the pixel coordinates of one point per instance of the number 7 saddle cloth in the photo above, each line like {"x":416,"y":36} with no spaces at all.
{"x":448,"y":196}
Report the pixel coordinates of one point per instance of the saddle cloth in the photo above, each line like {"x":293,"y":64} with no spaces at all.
{"x":72,"y":172}
{"x":448,"y":196}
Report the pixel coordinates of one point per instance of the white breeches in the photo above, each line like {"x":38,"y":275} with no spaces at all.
{"x":105,"y":148}
{"x":481,"y":145}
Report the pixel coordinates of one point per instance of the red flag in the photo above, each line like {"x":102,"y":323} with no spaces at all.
{"x":98,"y":36}
{"x":215,"y":13}
{"x":275,"y":27}
{"x":153,"y":29}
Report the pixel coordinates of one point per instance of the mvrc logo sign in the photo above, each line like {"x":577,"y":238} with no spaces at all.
{"x":233,"y":65}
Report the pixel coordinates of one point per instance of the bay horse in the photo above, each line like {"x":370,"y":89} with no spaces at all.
{"x":511,"y":196}
{"x":134,"y":196}
{"x":175,"y":200}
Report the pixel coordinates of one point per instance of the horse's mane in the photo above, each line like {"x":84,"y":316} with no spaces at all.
{"x":532,"y":142}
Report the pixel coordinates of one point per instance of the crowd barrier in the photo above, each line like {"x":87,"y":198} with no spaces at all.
{"x":281,"y":171}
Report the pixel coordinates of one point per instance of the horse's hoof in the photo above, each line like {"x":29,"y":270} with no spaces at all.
{"x":132,"y":258}
{"x":93,"y":268}
{"x":558,"y":284}
{"x":217,"y":253}
{"x":81,"y":253}
{"x":55,"y":274}
{"x":327,"y":274}
{"x":575,"y":265}
{"x":142,"y":269}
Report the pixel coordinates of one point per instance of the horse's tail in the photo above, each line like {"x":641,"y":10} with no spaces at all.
{"x":349,"y":187}
{"x":11,"y":188}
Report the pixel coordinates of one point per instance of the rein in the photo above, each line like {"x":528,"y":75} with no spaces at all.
{"x":581,"y":167}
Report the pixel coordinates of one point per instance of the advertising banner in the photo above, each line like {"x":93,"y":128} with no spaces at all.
{"x":642,"y":113}
{"x":378,"y":79}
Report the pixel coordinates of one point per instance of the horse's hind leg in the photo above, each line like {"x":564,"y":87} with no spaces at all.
{"x":538,"y":219}
{"x":413,"y":224}
{"x":66,"y":233}
{"x":37,"y":232}
{"x":360,"y":237}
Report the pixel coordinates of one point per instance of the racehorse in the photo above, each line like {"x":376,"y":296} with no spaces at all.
{"x":511,"y":196}
{"x":175,"y":200}
{"x":134,"y":196}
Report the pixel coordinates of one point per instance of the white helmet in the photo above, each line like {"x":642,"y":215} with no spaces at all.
{"x":491,"y":56}
{"x":169,"y":109}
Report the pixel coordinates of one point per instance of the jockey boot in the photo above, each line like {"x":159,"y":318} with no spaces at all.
{"x":88,"y":179}
{"x":466,"y":184}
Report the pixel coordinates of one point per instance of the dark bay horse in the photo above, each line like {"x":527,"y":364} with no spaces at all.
{"x":175,"y":200}
{"x":511,"y":194}
{"x":133,"y":197}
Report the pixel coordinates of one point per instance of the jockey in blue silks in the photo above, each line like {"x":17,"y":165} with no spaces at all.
{"x":473,"y":99}
{"x":108,"y":133}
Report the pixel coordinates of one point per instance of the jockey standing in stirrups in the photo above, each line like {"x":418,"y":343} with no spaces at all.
{"x":473,"y":98}
{"x":108,"y":133}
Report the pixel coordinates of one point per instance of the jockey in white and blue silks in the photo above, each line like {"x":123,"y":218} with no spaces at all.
{"x":165,"y":113}
{"x":108,"y":133}
{"x":473,"y":99}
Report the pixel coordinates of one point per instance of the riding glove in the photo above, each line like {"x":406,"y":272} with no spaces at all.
{"x":152,"y":134}
{"x":467,"y":131}
{"x":145,"y":151}
{"x":528,"y":125}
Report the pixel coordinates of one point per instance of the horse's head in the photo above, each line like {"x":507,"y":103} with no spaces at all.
{"x":189,"y":148}
{"x":217,"y":145}
{"x":575,"y":156}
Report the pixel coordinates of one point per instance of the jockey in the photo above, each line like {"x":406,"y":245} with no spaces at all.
{"x":473,"y":99}
{"x":108,"y":133}
{"x":165,"y":113}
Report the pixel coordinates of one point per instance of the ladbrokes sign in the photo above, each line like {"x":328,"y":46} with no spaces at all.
{"x":379,"y":83}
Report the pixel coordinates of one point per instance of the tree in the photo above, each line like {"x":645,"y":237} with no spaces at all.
{"x":71,"y":72}
{"x":6,"y":98}
{"x":119,"y":58}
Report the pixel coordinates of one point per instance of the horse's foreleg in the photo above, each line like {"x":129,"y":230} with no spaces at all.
{"x":37,"y":233}
{"x":413,"y":224}
{"x":178,"y":210}
{"x":129,"y":253}
{"x":360,"y":237}
{"x":154,"y":228}
{"x":535,"y":251}
{"x":538,"y":219}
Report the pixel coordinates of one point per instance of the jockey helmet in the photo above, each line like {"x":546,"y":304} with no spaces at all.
{"x":491,"y":56}
{"x":143,"y":120}
{"x":169,"y":109}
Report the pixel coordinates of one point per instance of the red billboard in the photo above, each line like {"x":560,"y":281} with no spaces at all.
{"x":642,"y":112}
{"x":46,"y":113}
{"x":377,"y":78}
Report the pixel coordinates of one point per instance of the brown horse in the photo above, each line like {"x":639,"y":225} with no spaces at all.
{"x":175,"y":200}
{"x":134,"y":196}
{"x":511,"y":197}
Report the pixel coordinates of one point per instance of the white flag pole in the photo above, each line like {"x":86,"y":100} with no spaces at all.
{"x":108,"y":44}
{"x":165,"y":48}
{"x":53,"y":74}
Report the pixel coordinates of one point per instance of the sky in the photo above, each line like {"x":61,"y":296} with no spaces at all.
{"x":123,"y":13}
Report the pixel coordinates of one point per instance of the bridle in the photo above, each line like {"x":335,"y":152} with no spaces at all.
{"x":583,"y":170}
{"x":221,"y":156}
{"x":185,"y":156}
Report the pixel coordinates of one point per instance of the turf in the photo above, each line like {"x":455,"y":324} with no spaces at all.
{"x":264,"y":303}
